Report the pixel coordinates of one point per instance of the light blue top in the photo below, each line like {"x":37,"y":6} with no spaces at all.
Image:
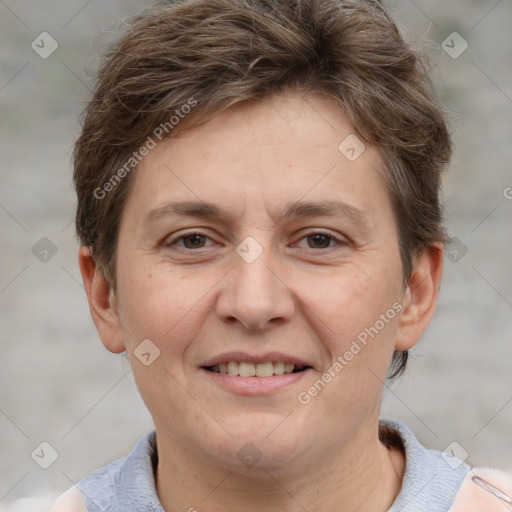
{"x":430,"y":483}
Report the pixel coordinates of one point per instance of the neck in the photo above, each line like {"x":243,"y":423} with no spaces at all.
{"x":362,"y":475}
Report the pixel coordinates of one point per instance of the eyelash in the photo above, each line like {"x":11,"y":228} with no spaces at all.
{"x":174,"y":241}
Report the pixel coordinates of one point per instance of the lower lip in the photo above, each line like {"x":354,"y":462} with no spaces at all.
{"x":255,"y":386}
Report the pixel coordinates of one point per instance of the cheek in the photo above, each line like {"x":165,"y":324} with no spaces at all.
{"x":348,"y":301}
{"x":169,"y":308}
{"x":355,"y":316}
{"x":162,"y":305}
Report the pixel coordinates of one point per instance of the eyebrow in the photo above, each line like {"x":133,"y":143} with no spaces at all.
{"x":299,"y":209}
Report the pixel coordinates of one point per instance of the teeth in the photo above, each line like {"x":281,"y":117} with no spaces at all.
{"x":279,"y":368}
{"x":247,"y":369}
{"x":244,"y":369}
{"x":233,"y":368}
{"x":264,"y":369}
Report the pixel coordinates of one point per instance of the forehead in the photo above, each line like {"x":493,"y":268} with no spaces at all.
{"x":274,"y":152}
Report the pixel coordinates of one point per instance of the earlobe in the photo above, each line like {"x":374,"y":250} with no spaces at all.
{"x":420,"y":297}
{"x":102,"y":303}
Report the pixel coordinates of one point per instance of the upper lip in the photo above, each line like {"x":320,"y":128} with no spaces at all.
{"x":246,"y":357}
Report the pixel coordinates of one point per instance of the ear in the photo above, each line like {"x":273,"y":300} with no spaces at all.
{"x":102,"y":303}
{"x":420,"y":298}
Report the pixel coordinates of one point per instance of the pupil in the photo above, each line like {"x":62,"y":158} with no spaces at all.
{"x":320,"y":240}
{"x":194,"y":241}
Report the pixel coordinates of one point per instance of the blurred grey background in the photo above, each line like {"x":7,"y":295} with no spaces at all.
{"x":60,"y":386}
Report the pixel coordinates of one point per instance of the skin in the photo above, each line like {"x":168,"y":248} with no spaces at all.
{"x":304,"y":296}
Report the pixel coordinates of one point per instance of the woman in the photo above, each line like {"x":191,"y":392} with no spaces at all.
{"x":258,"y":210}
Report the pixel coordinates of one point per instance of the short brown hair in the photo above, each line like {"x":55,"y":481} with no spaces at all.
{"x":215,"y":53}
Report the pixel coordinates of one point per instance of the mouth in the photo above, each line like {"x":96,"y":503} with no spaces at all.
{"x":250,"y":374}
{"x":258,"y":370}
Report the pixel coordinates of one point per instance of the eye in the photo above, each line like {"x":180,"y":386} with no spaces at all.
{"x":320,"y":241}
{"x":194,"y":240}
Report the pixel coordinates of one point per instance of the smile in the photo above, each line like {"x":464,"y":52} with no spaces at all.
{"x":262,"y":370}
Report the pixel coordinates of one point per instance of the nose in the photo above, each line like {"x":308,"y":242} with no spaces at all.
{"x":255,"y":295}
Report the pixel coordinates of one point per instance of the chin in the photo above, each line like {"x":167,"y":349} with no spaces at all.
{"x":261,"y":443}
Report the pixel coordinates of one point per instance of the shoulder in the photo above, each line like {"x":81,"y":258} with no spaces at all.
{"x":70,"y":501}
{"x":484,"y":490}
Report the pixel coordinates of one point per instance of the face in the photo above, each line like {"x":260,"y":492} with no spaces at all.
{"x":252,"y":244}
